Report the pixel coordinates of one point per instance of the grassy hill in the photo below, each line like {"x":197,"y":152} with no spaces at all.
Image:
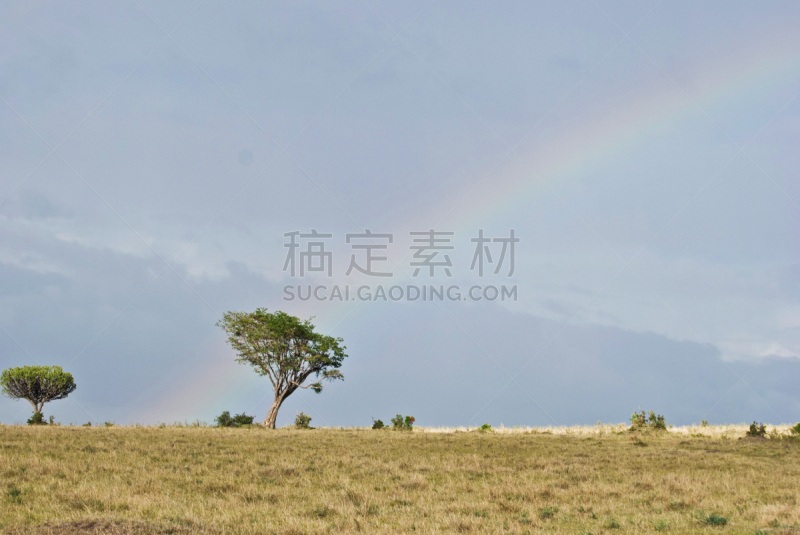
{"x":60,"y":479}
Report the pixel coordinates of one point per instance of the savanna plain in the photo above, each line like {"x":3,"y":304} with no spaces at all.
{"x":599,"y":479}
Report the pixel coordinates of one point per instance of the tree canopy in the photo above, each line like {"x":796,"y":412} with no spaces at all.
{"x":37,"y":384}
{"x":285,"y":349}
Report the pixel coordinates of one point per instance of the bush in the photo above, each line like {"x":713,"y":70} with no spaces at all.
{"x":757,"y":430}
{"x":243,"y":419}
{"x":377,"y":424}
{"x":302,"y":421}
{"x":37,"y":419}
{"x":225,"y":420}
{"x":638,"y":420}
{"x":485,"y":427}
{"x":714,"y":520}
{"x":795,"y":430}
{"x":403,"y":424}
{"x":654,"y":421}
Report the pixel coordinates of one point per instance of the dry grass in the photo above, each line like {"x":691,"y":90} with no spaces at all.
{"x":598,"y":479}
{"x":710,"y":431}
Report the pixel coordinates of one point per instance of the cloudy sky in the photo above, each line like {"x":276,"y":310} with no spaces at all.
{"x":153,"y":155}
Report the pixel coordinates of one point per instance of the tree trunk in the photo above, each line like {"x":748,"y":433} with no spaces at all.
{"x":272,"y":415}
{"x":280,"y":397}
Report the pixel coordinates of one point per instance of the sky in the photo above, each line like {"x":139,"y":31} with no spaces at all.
{"x":153,"y":157}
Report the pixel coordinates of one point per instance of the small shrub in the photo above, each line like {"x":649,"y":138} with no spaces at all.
{"x":226,"y":420}
{"x":547,"y":512}
{"x":612,"y":523}
{"x":15,"y":495}
{"x":302,"y":421}
{"x":87,"y":424}
{"x":37,"y":419}
{"x":638,"y":420}
{"x":795,"y":430}
{"x":657,"y":422}
{"x":654,"y":421}
{"x":377,"y":424}
{"x":757,"y":430}
{"x":486,"y":427}
{"x":400,"y":423}
{"x":53,"y":420}
{"x":714,"y":520}
{"x":109,"y":424}
{"x":660,"y":525}
{"x":704,"y":423}
{"x":243,"y":419}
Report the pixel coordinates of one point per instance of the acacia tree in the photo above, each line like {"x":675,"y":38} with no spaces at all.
{"x":285,"y":349}
{"x":37,"y":384}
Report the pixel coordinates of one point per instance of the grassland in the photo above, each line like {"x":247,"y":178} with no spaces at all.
{"x":60,"y":479}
